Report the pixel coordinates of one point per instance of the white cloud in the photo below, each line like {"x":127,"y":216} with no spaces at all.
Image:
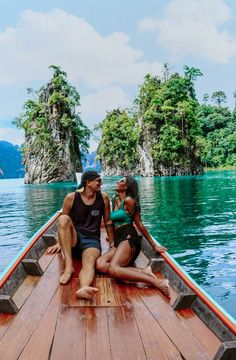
{"x":96,"y":104}
{"x":41,"y":39}
{"x":14,"y":136}
{"x":194,"y":27}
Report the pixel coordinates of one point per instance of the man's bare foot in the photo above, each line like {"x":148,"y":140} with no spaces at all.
{"x":65,"y":277}
{"x":163,"y":285}
{"x":86,"y":292}
{"x":148,"y":271}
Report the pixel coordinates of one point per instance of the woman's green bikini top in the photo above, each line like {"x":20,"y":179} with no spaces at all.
{"x":120,"y":216}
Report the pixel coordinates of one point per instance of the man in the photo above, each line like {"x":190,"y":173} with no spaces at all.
{"x":79,"y":231}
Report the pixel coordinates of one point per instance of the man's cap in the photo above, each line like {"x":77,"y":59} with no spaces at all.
{"x":88,"y":175}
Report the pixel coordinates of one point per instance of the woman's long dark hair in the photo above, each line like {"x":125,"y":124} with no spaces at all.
{"x":132,"y":191}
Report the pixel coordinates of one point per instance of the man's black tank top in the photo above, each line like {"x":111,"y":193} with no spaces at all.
{"x":87,"y":218}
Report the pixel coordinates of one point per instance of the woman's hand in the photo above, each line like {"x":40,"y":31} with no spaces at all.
{"x":54,"y":249}
{"x":159,"y":248}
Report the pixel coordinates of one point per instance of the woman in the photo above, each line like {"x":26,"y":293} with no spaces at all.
{"x":127,"y":246}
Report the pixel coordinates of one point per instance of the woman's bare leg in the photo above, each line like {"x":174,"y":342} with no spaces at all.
{"x":103,"y":262}
{"x":118,"y":269}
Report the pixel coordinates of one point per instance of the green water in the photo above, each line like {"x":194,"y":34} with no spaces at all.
{"x":194,"y":217}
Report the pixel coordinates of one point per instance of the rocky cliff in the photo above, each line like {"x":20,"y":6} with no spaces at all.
{"x":54,"y":132}
{"x":55,"y":158}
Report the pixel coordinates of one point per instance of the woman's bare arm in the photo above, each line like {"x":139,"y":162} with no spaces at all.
{"x":130,"y":207}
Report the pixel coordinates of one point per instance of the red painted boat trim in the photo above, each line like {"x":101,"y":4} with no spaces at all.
{"x":201,"y":295}
{"x":27,"y":249}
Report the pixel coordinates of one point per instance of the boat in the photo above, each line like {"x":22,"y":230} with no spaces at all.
{"x":41,"y":319}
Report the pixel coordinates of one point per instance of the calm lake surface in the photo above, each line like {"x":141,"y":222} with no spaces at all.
{"x":194,"y":217}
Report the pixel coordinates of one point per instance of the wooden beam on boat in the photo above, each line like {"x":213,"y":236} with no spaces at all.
{"x":32,"y":267}
{"x":7,"y":305}
{"x":50,"y":239}
{"x":212,"y":321}
{"x":8,"y":289}
{"x":184,"y":300}
{"x":50,"y":226}
{"x":227,"y":351}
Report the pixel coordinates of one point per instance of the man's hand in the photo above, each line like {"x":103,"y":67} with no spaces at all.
{"x":54,"y":249}
{"x":160,"y":248}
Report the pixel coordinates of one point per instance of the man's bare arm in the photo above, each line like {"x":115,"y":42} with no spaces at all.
{"x":107,"y":220}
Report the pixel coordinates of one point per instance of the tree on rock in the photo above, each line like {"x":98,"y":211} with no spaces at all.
{"x":55,"y":136}
{"x":118,"y":147}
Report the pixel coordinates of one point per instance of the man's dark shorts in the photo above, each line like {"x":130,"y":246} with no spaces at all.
{"x":83,"y":243}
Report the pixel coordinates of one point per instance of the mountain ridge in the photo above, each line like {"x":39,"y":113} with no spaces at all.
{"x":11,"y":166}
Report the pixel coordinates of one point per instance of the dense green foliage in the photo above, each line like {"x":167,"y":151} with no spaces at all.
{"x":118,"y":146}
{"x":168,"y":111}
{"x":53,"y":106}
{"x":219,"y":133}
{"x":181,"y":133}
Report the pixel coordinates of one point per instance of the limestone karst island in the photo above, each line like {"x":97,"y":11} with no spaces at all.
{"x":166,"y":132}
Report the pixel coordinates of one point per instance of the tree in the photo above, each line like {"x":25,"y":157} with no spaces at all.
{"x":219,"y":97}
{"x":53,"y":127}
{"x":234,"y":95}
{"x":192,"y":73}
{"x":170,"y":124}
{"x":118,"y":146}
{"x":205,"y":98}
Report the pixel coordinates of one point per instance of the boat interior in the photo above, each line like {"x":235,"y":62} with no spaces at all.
{"x":41,"y":319}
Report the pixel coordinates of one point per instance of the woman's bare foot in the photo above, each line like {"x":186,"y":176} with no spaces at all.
{"x":65,"y":277}
{"x":148,"y":271}
{"x":163,"y":285}
{"x":87,"y":292}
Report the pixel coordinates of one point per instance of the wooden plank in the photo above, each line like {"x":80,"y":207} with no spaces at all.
{"x":39,"y":345}
{"x":45,"y":260}
{"x":23,"y":325}
{"x":97,"y":334}
{"x":156,"y":342}
{"x":200,"y":331}
{"x":5,"y":322}
{"x":69,"y":340}
{"x":125,"y":339}
{"x":24,"y":291}
{"x":181,"y":337}
{"x":107,"y":295}
{"x":77,"y":267}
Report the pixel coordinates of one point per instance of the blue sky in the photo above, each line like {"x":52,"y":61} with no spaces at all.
{"x":107,"y":46}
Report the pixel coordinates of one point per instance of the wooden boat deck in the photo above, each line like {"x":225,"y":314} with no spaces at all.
{"x":125,"y":321}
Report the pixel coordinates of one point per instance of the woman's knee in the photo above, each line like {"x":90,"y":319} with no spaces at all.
{"x":102,"y":265}
{"x":114,"y":270}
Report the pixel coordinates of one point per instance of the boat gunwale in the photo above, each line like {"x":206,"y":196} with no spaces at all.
{"x":226,"y":318}
{"x":5,"y":275}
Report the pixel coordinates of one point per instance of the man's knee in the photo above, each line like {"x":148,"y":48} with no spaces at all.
{"x":90,"y":256}
{"x":64,"y":221}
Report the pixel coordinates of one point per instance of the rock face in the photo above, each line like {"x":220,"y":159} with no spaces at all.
{"x":45,"y":166}
{"x":109,"y":170}
{"x":58,"y":157}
